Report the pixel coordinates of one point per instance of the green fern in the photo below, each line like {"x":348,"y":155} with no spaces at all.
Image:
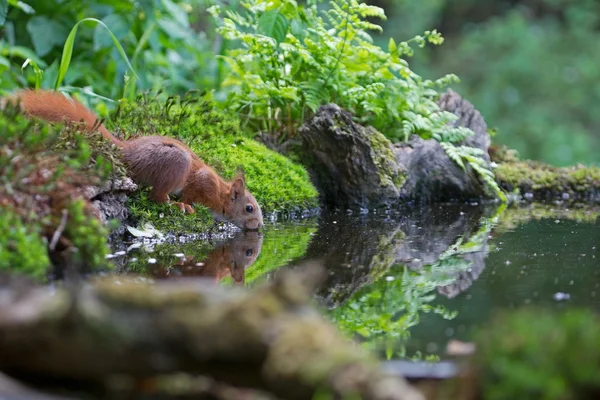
{"x":292,"y":58}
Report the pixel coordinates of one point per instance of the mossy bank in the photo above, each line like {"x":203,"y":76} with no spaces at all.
{"x":277,"y":183}
{"x":542,"y":182}
{"x":45,"y":218}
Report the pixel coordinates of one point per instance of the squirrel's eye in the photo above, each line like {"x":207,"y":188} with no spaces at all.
{"x":249,"y":253}
{"x":249,"y":208}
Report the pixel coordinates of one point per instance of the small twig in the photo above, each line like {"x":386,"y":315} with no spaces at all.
{"x":59,"y":231}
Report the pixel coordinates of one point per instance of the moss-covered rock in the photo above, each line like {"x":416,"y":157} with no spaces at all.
{"x":45,"y":218}
{"x":355,"y":166}
{"x":540,"y":181}
{"x":276,"y":182}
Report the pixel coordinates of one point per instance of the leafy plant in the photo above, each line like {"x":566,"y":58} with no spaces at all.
{"x":526,"y":65}
{"x":292,"y":58}
{"x":165,"y":49}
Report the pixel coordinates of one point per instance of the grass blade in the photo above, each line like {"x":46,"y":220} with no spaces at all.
{"x":65,"y":60}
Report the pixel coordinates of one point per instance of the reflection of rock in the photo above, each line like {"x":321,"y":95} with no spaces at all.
{"x":357,"y":167}
{"x":354,"y":252}
{"x":358,"y":251}
{"x":432,"y":230}
{"x":464,"y":279}
{"x":227,"y":259}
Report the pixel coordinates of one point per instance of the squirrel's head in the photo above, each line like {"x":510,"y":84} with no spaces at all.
{"x":243,"y":210}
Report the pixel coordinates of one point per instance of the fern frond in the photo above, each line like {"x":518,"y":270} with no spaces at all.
{"x":454,"y":153}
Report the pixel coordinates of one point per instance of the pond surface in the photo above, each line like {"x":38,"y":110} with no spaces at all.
{"x":406,"y":283}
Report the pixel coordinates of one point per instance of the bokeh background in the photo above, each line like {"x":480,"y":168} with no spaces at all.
{"x":532,"y":67}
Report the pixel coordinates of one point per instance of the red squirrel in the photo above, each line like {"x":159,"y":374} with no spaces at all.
{"x":166,"y":164}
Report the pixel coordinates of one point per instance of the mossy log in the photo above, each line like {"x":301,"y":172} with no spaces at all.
{"x":268,"y":338}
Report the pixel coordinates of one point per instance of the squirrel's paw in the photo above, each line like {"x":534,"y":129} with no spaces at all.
{"x":186,"y":208}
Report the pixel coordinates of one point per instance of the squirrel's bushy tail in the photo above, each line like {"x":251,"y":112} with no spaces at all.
{"x":54,"y":107}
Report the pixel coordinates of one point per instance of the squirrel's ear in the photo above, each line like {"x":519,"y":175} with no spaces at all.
{"x":237,"y":188}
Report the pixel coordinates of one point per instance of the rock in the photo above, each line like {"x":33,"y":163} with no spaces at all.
{"x":432,"y":175}
{"x":354,"y":166}
{"x":109,"y":200}
{"x":468,"y":117}
{"x":357,"y":167}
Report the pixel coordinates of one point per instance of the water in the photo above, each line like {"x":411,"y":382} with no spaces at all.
{"x":405,"y":284}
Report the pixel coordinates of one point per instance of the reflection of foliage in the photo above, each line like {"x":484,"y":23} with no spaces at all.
{"x":383,"y":312}
{"x":282,"y":243}
{"x":538,"y":354}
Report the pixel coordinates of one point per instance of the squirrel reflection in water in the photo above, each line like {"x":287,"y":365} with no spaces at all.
{"x":228,"y":259}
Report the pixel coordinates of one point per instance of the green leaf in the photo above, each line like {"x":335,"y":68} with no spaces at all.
{"x":3,"y":11}
{"x":392,"y":46}
{"x":274,"y":25}
{"x":65,"y":60}
{"x":26,"y":8}
{"x":45,"y":33}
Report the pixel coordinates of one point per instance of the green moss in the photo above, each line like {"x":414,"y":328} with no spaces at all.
{"x":537,"y":354}
{"x":167,"y":218}
{"x":543,"y":178}
{"x":21,"y":246}
{"x":277,"y":183}
{"x":385,"y":160}
{"x":88,"y":236}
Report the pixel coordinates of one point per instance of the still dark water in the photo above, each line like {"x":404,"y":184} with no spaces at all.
{"x":404,"y":284}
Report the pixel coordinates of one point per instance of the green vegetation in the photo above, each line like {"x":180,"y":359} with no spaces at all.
{"x":41,"y":170}
{"x":539,"y":354}
{"x":541,"y":179}
{"x":275,"y":63}
{"x":293,"y":58}
{"x":21,"y":247}
{"x":528,"y":66}
{"x":159,"y":37}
